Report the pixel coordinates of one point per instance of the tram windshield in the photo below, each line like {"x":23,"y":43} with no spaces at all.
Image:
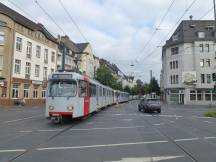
{"x":62,"y":88}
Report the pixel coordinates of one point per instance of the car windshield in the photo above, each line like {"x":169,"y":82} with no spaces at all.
{"x":62,"y":88}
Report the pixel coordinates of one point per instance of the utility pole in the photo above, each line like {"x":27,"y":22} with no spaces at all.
{"x":214,"y":15}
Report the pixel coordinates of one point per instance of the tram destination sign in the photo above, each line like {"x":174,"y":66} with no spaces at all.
{"x":62,"y":76}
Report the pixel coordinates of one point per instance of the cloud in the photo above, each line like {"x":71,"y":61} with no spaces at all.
{"x":117,"y":29}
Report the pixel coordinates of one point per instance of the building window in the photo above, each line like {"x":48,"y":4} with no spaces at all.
{"x":38,"y":51}
{"x":1,"y":62}
{"x":201,"y":62}
{"x":17,"y":66}
{"x":201,"y":48}
{"x":176,"y":64}
{"x":46,"y":56}
{"x":35,"y":93}
{"x":192,"y":95}
{"x":201,"y":35}
{"x":45,"y":73}
{"x":43,"y":93}
{"x":26,"y":90}
{"x":28,"y":68}
{"x":171,"y":79}
{"x":207,"y":47}
{"x":174,"y":51}
{"x":177,"y":79}
{"x":175,"y":37}
{"x":37,"y":70}
{"x":15,"y":91}
{"x":208,"y":62}
{"x":2,"y":38}
{"x":171,"y":65}
{"x":29,"y":50}
{"x":202,"y":78}
{"x":53,"y":57}
{"x":208,"y":95}
{"x":199,"y":95}
{"x":208,"y":76}
{"x":19,"y":44}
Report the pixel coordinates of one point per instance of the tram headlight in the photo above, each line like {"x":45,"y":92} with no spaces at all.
{"x":70,"y":108}
{"x":51,"y":107}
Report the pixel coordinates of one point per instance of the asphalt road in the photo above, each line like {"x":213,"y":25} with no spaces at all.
{"x":118,"y":133}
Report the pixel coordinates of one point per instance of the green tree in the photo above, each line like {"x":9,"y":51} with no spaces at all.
{"x":127,"y":89}
{"x":105,"y":77}
{"x":154,"y":86}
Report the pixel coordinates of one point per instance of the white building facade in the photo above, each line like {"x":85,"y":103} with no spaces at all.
{"x":188,"y":72}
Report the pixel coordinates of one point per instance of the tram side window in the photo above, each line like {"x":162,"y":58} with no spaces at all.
{"x":82,"y":88}
{"x":92,"y":90}
{"x":104,"y":92}
{"x":101,"y":91}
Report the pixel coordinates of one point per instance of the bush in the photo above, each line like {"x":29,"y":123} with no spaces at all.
{"x":211,"y":114}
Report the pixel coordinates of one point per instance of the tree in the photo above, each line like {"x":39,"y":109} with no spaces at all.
{"x":153,"y":86}
{"x":127,"y":89}
{"x":105,"y":77}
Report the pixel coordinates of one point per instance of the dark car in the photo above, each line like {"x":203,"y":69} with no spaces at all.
{"x":150,"y":105}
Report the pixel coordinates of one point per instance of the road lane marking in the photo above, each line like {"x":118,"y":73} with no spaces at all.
{"x":16,"y":150}
{"x":108,"y":128}
{"x":186,"y":139}
{"x":26,"y":131}
{"x":10,"y":121}
{"x":209,"y":137}
{"x":49,"y":130}
{"x":127,"y":119}
{"x":95,"y":146}
{"x":148,"y":159}
{"x":158,"y":124}
{"x":208,"y":122}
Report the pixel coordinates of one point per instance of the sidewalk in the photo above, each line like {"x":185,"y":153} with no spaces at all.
{"x":179,"y":106}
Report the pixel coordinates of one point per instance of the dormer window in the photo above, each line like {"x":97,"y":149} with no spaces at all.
{"x":201,"y":34}
{"x":175,"y":37}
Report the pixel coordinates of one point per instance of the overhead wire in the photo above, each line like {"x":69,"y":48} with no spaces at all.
{"x":27,"y":14}
{"x":171,"y":30}
{"x":50,"y":17}
{"x":157,"y":28}
{"x":73,"y":21}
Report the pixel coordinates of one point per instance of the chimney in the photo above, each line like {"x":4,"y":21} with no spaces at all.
{"x":191,"y":17}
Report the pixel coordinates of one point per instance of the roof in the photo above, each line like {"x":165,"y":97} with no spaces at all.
{"x":70,"y":44}
{"x":187,"y":32}
{"x":18,"y":18}
{"x":82,"y":46}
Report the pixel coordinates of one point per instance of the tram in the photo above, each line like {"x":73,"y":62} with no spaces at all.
{"x":72,"y":95}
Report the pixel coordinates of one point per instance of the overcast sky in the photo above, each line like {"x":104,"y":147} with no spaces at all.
{"x":117,"y":29}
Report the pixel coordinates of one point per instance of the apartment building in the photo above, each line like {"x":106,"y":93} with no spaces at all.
{"x":188,"y":72}
{"x":86,"y":64}
{"x":28,"y":54}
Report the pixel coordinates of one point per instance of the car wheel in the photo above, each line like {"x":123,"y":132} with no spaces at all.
{"x":159,"y":111}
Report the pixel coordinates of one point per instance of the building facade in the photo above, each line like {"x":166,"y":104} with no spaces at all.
{"x":188,"y":72}
{"x":28,"y":54}
{"x":86,"y":64}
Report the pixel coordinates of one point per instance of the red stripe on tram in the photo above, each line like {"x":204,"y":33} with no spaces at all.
{"x":87,"y":98}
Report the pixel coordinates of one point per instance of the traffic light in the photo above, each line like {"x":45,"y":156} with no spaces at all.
{"x":214,"y":76}
{"x":214,"y":89}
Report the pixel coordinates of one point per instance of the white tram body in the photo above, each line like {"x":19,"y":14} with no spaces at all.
{"x":74,"y":95}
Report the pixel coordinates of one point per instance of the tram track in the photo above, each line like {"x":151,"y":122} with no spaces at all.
{"x":188,"y":154}
{"x":47,"y":140}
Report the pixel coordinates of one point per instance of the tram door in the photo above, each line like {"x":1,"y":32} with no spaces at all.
{"x":97,"y":96}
